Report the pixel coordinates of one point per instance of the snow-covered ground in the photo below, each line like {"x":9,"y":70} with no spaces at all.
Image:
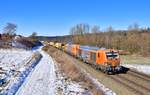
{"x":12,"y":62}
{"x":46,"y":80}
{"x":139,"y":67}
{"x":19,"y":77}
{"x":14,"y":58}
{"x":42,"y":80}
{"x":65,"y":86}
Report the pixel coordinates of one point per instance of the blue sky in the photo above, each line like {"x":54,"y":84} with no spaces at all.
{"x":56,"y":17}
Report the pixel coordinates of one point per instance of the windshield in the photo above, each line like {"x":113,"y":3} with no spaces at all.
{"x":112,"y":55}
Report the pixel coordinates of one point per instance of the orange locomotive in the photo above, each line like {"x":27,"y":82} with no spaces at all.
{"x":106,"y":60}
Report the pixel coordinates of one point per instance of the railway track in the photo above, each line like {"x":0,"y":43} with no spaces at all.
{"x":139,"y":75}
{"x":135,"y":86}
{"x":139,"y":85}
{"x":120,"y":81}
{"x":132,"y":81}
{"x":132,"y":85}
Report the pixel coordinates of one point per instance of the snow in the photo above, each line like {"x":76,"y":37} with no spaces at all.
{"x":34,"y":78}
{"x":65,"y":86}
{"x":38,"y":78}
{"x":16,"y":64}
{"x":139,"y":67}
{"x":68,"y":87}
{"x":11,"y":61}
{"x":42,"y":80}
{"x":47,"y":80}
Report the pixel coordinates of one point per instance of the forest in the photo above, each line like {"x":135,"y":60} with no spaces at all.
{"x":134,"y":39}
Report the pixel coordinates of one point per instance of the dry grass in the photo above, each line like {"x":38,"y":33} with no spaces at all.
{"x":71,"y":71}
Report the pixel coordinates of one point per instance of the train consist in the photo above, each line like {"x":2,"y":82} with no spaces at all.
{"x":106,"y":60}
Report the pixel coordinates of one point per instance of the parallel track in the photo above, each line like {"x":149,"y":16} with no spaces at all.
{"x":139,"y":75}
{"x":120,"y":81}
{"x":132,"y":84}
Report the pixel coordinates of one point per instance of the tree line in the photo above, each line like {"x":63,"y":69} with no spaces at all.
{"x":134,"y":39}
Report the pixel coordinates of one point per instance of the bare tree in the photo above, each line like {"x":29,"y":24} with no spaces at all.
{"x":80,"y":29}
{"x":33,"y":34}
{"x":110,"y":29}
{"x":10,"y":29}
{"x":95,"y":29}
{"x":78,"y":32}
{"x":134,"y":27}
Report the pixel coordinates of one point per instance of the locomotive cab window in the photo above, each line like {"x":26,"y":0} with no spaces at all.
{"x":112,"y":55}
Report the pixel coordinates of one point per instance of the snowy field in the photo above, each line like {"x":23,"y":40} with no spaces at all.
{"x":139,"y":67}
{"x":15,"y":65}
{"x":12,"y":61}
{"x":19,"y":76}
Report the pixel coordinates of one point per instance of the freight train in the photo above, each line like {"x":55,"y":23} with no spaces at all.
{"x":106,"y":60}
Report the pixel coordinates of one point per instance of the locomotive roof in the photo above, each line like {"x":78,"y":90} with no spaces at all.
{"x":89,"y":48}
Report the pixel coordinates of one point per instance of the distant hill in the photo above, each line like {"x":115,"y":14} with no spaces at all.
{"x":65,"y":39}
